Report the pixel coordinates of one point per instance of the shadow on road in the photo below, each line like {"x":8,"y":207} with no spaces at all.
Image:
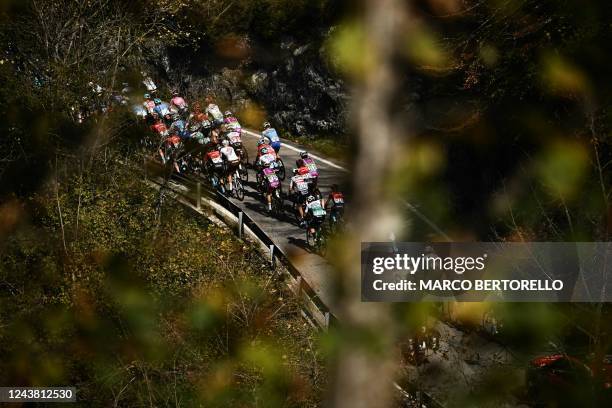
{"x":300,"y":242}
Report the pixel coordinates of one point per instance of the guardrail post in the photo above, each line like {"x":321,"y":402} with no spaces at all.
{"x":199,"y":195}
{"x":240,"y":224}
{"x":272,"y":255}
{"x":327,"y":320}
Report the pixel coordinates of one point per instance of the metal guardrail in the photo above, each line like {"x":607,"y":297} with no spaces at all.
{"x":197,"y":191}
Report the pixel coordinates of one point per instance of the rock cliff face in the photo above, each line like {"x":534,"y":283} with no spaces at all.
{"x":301,"y":93}
{"x":292,"y":82}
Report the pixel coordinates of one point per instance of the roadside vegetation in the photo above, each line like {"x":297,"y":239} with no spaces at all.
{"x":138,"y":305}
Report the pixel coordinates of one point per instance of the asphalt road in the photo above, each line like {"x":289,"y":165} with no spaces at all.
{"x":284,"y":230}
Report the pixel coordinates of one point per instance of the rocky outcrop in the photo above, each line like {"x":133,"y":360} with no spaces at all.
{"x":292,"y":82}
{"x":302,"y":95}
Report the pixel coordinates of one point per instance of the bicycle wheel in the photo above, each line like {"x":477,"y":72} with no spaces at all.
{"x":281,"y":169}
{"x":277,"y":202}
{"x":321,"y":244}
{"x":238,"y":188}
{"x":244,"y":173}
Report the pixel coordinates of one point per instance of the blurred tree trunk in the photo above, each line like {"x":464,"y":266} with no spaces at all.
{"x":366,"y":363}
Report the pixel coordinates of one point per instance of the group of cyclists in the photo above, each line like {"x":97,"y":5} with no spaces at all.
{"x":205,"y":141}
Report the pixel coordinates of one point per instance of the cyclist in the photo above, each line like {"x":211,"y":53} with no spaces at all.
{"x":148,"y":103}
{"x":178,"y":104}
{"x":179,"y":127}
{"x":231,"y":161}
{"x":314,"y":213}
{"x":177,"y":101}
{"x":159,"y":127}
{"x":306,"y":161}
{"x":197,"y":115}
{"x":266,"y":158}
{"x":161,"y":108}
{"x":335,"y":203}
{"x":298,"y":186}
{"x":214,"y":112}
{"x":271,"y":183}
{"x":231,"y":123}
{"x":270,"y":133}
{"x":262,"y":144}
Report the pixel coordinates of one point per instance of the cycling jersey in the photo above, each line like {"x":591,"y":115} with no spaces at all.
{"x":149,"y":106}
{"x":159,"y":127}
{"x":229,"y":153}
{"x":179,"y":128}
{"x":337,"y":199}
{"x":215,"y":159}
{"x":234,"y":138}
{"x":173,"y":141}
{"x":266,"y":160}
{"x":214,"y":111}
{"x":260,"y":147}
{"x":271,"y":135}
{"x":310,"y":164}
{"x":232,"y":122}
{"x":233,"y":127}
{"x":162,"y":109}
{"x":178,"y":102}
{"x":271,"y":177}
{"x":300,"y":184}
{"x":315,"y":208}
{"x":198,"y":117}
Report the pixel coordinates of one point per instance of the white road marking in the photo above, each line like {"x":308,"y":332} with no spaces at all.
{"x":288,"y":146}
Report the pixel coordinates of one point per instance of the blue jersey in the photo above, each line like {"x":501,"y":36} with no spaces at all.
{"x":180,"y":129}
{"x":271,"y":134}
{"x":162,"y":109}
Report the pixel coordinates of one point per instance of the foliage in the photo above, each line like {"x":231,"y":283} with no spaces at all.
{"x":97,"y":293}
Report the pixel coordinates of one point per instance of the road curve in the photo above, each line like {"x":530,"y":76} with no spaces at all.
{"x":283,"y":230}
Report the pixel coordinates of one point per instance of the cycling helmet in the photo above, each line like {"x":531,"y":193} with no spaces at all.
{"x":176,"y":116}
{"x":227,"y":114}
{"x":175,"y":93}
{"x":266,"y":125}
{"x":261,"y":141}
{"x":310,"y":199}
{"x":225,"y":142}
{"x":157,"y":101}
{"x":147,"y":96}
{"x":304,"y":154}
{"x":295,"y":171}
{"x":264,"y":151}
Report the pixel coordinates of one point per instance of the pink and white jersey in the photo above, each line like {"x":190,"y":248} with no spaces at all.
{"x":229,"y":153}
{"x":234,"y":137}
{"x":178,"y":102}
{"x":267,"y":159}
{"x":300,"y":183}
{"x":312,"y":167}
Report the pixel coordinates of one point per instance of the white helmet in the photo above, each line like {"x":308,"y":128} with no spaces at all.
{"x":225,"y":142}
